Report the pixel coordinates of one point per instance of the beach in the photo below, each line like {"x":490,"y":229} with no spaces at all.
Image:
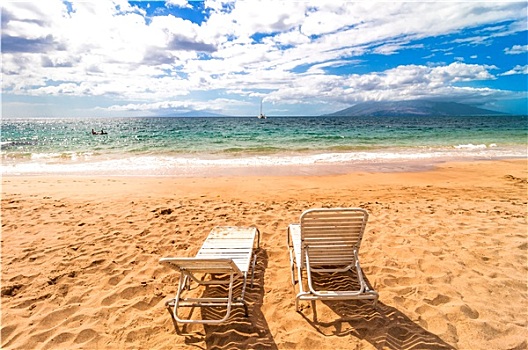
{"x":445,"y":248}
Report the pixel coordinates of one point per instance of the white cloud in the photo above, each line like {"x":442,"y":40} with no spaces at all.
{"x":403,"y":82}
{"x":517,"y":70}
{"x":286,"y":49}
{"x":178,"y":3}
{"x":516,"y":50}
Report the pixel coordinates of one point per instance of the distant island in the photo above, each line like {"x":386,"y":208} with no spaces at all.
{"x":411,"y":108}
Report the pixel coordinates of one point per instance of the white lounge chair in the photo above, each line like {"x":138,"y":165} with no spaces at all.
{"x":227,"y":250}
{"x":327,"y":241}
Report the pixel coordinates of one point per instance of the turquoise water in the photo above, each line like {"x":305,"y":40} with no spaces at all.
{"x":188,"y":146}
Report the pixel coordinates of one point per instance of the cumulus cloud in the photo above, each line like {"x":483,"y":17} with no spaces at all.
{"x":178,"y":3}
{"x":516,"y":50}
{"x":517,"y":70}
{"x":181,"y":43}
{"x":174,"y":105}
{"x":289,"y":51}
{"x":400,"y":83}
{"x":12,"y":44}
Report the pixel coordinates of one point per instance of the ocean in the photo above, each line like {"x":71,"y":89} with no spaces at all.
{"x":236,"y":145}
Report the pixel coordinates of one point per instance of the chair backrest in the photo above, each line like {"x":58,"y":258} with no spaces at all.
{"x":332,"y":235}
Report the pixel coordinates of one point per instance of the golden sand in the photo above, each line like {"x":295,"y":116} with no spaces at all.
{"x":446,"y":250}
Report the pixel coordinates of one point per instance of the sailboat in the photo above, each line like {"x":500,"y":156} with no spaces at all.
{"x":261,"y":115}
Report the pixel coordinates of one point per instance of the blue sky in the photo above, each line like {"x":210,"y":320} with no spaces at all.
{"x":149,"y":58}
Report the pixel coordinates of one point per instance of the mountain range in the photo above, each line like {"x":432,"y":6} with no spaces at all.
{"x":411,"y":108}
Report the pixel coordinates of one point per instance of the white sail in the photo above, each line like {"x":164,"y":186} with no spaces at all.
{"x":261,"y":115}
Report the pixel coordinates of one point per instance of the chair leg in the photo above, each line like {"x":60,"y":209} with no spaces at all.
{"x":296,"y":304}
{"x":292,"y":269}
{"x":246,"y":312}
{"x":253,"y":269}
{"x":314,"y":310}
{"x":179,"y":302}
{"x":301,"y":291}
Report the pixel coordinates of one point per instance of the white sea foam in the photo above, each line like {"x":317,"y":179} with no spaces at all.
{"x":88,"y":164}
{"x":471,"y":146}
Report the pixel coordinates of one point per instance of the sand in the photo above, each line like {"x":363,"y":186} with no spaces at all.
{"x":446,"y":249}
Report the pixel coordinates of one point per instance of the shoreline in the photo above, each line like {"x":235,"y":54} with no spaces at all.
{"x":99,"y":187}
{"x":443,"y":247}
{"x":223,"y":170}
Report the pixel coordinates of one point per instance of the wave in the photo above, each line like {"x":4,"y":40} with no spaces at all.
{"x":49,"y":157}
{"x":251,"y":150}
{"x":195,"y":164}
{"x":6,"y":145}
{"x":472,"y":146}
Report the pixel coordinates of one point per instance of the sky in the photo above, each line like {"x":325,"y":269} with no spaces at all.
{"x":160,"y":58}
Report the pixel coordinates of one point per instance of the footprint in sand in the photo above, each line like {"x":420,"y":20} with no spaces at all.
{"x":85,"y":336}
{"x":55,"y":317}
{"x":469,"y":312}
{"x":60,"y":338}
{"x":438,"y":300}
